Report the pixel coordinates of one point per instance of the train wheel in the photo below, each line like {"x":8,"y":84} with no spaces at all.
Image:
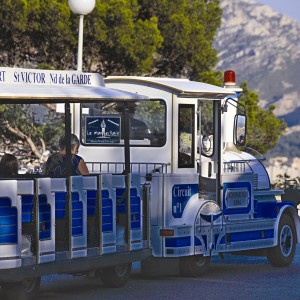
{"x":194,"y":266}
{"x":24,"y":290}
{"x":116,"y":276}
{"x":283,"y":253}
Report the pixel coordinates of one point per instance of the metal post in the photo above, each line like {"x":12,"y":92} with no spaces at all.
{"x":80,"y":43}
{"x":126,"y":140}
{"x":37,"y":220}
{"x":219,"y":155}
{"x":128,"y":210}
{"x":199,"y":146}
{"x":70,"y":216}
{"x":68,"y":132}
{"x":99,"y":214}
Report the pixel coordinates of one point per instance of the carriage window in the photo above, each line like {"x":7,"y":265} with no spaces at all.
{"x":186,"y":140}
{"x":102,"y":123}
{"x":39,"y":123}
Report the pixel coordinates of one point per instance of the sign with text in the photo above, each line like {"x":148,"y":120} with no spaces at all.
{"x":103,"y":130}
{"x":49,"y":77}
{"x":181,"y":194}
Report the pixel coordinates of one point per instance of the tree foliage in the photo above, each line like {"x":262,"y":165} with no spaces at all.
{"x":30,"y":124}
{"x":263,"y":127}
{"x":118,"y":41}
{"x":153,"y":37}
{"x":188,"y":29}
{"x":36,"y":31}
{"x":132,"y":37}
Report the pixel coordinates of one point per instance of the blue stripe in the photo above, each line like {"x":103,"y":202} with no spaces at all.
{"x":251,"y":235}
{"x":178,"y":242}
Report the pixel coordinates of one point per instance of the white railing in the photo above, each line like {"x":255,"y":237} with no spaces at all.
{"x":234,"y":166}
{"x":119,"y":167}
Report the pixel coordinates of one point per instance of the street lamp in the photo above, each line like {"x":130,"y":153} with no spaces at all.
{"x":81,"y":7}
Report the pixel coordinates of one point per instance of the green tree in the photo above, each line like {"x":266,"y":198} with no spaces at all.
{"x":30,"y":124}
{"x":132,"y":37}
{"x":36,"y":31}
{"x":163,"y":38}
{"x":118,"y":41}
{"x":188,"y":29}
{"x":263,"y":127}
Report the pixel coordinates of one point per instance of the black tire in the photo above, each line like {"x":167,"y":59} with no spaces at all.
{"x":117,"y":276}
{"x":24,"y":290}
{"x":194,"y":266}
{"x":283,"y":253}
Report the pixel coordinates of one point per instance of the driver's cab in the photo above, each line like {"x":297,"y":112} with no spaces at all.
{"x":192,"y":123}
{"x":196,"y":126}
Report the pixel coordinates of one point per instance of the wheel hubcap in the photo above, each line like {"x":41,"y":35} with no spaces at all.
{"x":200,"y":261}
{"x":121,"y":270}
{"x":286,"y":240}
{"x":28,"y":285}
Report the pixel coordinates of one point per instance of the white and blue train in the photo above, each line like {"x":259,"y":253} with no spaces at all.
{"x":169,"y":185}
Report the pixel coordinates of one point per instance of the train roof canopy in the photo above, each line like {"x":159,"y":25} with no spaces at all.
{"x":181,"y":87}
{"x":51,"y":86}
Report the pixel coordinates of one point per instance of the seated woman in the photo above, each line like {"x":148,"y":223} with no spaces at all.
{"x":56,"y":163}
{"x":9,"y":165}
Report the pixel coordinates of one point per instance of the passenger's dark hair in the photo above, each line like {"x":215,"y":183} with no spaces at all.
{"x":9,"y":165}
{"x":74,"y":141}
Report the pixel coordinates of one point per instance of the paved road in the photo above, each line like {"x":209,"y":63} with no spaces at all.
{"x":233,"y":278}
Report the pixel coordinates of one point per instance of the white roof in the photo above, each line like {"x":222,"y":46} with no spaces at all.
{"x":62,"y":93}
{"x":182,"y":87}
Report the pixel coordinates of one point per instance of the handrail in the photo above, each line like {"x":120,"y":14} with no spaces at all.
{"x":261,"y":158}
{"x":119,"y":167}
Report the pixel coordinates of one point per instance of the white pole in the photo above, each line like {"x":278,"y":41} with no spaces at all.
{"x":81,"y":7}
{"x":80,"y":43}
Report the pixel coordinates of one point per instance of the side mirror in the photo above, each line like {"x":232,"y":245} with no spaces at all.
{"x":239,"y":134}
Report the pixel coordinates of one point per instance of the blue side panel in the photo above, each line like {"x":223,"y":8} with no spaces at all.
{"x":222,"y":241}
{"x":107,"y":208}
{"x":265,"y":209}
{"x":107,"y":212}
{"x":216,"y":236}
{"x":237,"y":185}
{"x":44,"y":214}
{"x":121,"y":200}
{"x":205,"y":240}
{"x":77,"y":215}
{"x":45,"y":218}
{"x":135,"y":212}
{"x":135,"y":206}
{"x":27,"y":208}
{"x":60,"y":205}
{"x":178,"y":242}
{"x":8,"y":222}
{"x":251,"y":235}
{"x":269,"y":209}
{"x":91,"y":202}
{"x":197,"y":241}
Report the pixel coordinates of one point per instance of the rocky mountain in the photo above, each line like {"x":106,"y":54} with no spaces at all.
{"x":263,"y":47}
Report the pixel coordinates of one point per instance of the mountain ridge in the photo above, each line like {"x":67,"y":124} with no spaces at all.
{"x":263,"y":47}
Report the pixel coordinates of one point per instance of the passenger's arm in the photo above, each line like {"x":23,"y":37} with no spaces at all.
{"x":82,"y":168}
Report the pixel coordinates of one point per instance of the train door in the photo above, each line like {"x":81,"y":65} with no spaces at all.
{"x":207,"y":147}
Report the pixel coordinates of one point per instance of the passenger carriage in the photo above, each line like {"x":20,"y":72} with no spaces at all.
{"x":76,"y":224}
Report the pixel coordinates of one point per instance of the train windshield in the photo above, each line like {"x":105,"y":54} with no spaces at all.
{"x":102,"y":123}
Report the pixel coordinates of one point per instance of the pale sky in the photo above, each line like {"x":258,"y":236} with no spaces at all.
{"x":290,"y":8}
